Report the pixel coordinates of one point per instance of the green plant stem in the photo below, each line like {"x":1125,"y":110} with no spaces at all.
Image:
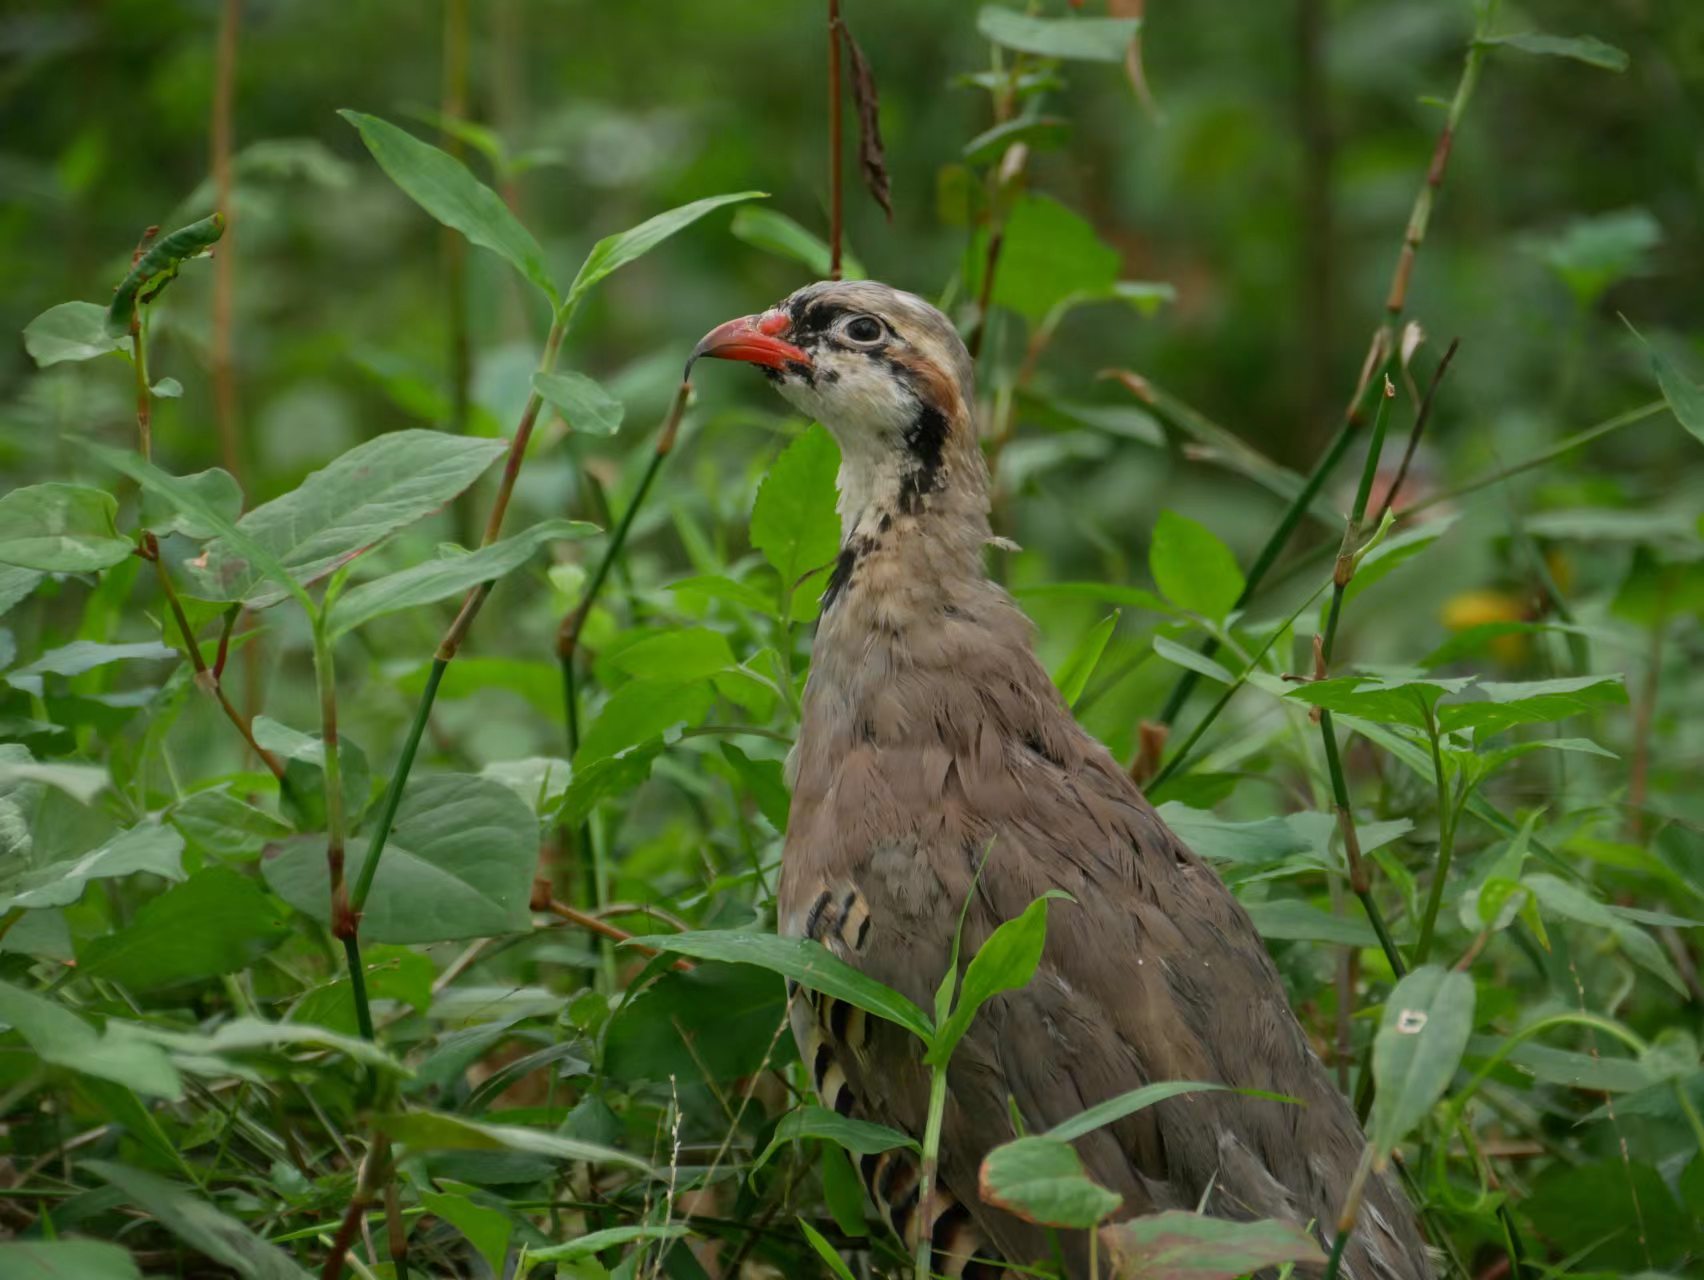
{"x":931,"y":1163}
{"x":1446,"y":843}
{"x":458,"y":629}
{"x":1351,"y":1211}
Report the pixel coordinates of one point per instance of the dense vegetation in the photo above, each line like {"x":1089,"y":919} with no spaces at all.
{"x":397,"y":663}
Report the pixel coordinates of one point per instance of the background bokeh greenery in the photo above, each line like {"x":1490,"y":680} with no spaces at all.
{"x":1267,"y":182}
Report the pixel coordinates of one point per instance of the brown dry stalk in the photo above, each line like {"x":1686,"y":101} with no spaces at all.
{"x":603,"y":928}
{"x":872,"y":158}
{"x":836,"y":202}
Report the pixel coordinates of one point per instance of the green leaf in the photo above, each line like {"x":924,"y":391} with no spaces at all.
{"x":860,"y":1137}
{"x":1040,"y":133}
{"x":487,"y":1229}
{"x":1125,"y":1104}
{"x":640,"y":710}
{"x":808,"y":963}
{"x":82,"y":782}
{"x":1264,"y":840}
{"x":793,"y":522}
{"x":716,"y":1022}
{"x":303,"y":793}
{"x":1073,"y":674}
{"x":1393,"y":553}
{"x":597,"y":1241}
{"x":62,"y":1038}
{"x":1192,"y":660}
{"x":611,"y":775}
{"x":824,"y":1250}
{"x":192,"y":500}
{"x":70,"y":331}
{"x":1685,"y":397}
{"x":158,"y":264}
{"x":778,"y":234}
{"x":459,"y":864}
{"x":199,"y":1225}
{"x":1427,"y":1020}
{"x":1005,"y":962}
{"x":1107,"y":592}
{"x":1571,"y":903}
{"x":1533,"y":702}
{"x":1592,"y":253}
{"x":442,"y":185}
{"x":216,"y":488}
{"x":66,"y":1260}
{"x":1048,"y":254}
{"x":15,"y":585}
{"x":766,"y":782}
{"x":216,"y":922}
{"x":1041,"y":1180}
{"x":1290,"y":919}
{"x":686,"y":653}
{"x":334,"y":515}
{"x":60,"y":528}
{"x":1177,"y":1245}
{"x":216,"y":822}
{"x":446,"y":576}
{"x":1386,"y":701}
{"x":1192,"y":568}
{"x":614,"y":252}
{"x":150,"y":848}
{"x":1588,"y":49}
{"x":251,"y":1035}
{"x":1083,"y":39}
{"x":584,"y":405}
{"x":84,"y":655}
{"x":435,"y":1131}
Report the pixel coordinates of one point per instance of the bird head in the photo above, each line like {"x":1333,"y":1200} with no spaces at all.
{"x":885,"y":372}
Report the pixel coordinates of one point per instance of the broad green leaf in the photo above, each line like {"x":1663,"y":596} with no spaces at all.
{"x":70,"y":331}
{"x":302,"y":798}
{"x":1263,"y":840}
{"x":1073,"y":674}
{"x":1428,"y":1018}
{"x":62,"y":1038}
{"x":82,"y":782}
{"x":1178,"y":1245}
{"x":640,"y":710}
{"x":1005,"y":962}
{"x":1048,"y":254}
{"x":614,"y":252}
{"x":66,"y":1260}
{"x":442,"y":186}
{"x":1393,"y":553}
{"x":610,"y":775}
{"x":776,"y":233}
{"x":808,"y":963}
{"x":334,"y":515}
{"x":216,"y":488}
{"x":150,"y":848}
{"x":216,"y":822}
{"x":860,"y":1137}
{"x":216,"y":922}
{"x":766,"y":782}
{"x":435,"y":1131}
{"x":60,"y":528}
{"x":446,"y":576}
{"x":1192,"y":568}
{"x":193,"y":500}
{"x":594,"y":1242}
{"x":793,"y":521}
{"x":1572,"y":903}
{"x":1290,"y":919}
{"x":487,"y":1229}
{"x":584,"y":405}
{"x":459,"y":864}
{"x":715,"y":1023}
{"x":1533,"y":702}
{"x":1614,"y":1215}
{"x":1587,"y":49}
{"x":84,"y":655}
{"x":824,"y":1250}
{"x":1685,"y":397}
{"x":1084,"y":39}
{"x":1041,"y":1180}
{"x":686,"y":653}
{"x":1192,"y":660}
{"x":198,"y":1224}
{"x":1567,"y":1067}
{"x":1387,"y":701}
{"x":1125,"y":1104}
{"x":15,"y":585}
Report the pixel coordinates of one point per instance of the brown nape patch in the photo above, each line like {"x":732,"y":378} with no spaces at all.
{"x":934,"y":386}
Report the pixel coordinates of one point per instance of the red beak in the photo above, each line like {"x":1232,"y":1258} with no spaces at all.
{"x":753,"y":339}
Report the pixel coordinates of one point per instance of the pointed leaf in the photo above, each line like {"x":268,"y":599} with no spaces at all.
{"x":1533,"y":702}
{"x":614,"y":252}
{"x":778,"y":234}
{"x":434,"y":1131}
{"x":216,"y":922}
{"x":62,"y":1038}
{"x":860,"y":1137}
{"x":1125,"y":1104}
{"x":1427,"y":1021}
{"x":1005,"y":962}
{"x":1572,"y":903}
{"x":443,"y":186}
{"x":150,"y":848}
{"x":1177,"y":1245}
{"x":1084,"y":39}
{"x":597,"y":1241}
{"x":446,"y":576}
{"x":793,"y":521}
{"x":199,"y":1225}
{"x":1587,"y":49}
{"x":1685,"y":397}
{"x":1192,"y":567}
{"x":584,"y":405}
{"x":60,"y":528}
{"x":1073,"y":674}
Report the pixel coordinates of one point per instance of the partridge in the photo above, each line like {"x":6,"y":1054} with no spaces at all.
{"x":933,"y":744}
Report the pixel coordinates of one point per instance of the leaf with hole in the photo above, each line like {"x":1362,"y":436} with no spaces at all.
{"x":1427,"y":1020}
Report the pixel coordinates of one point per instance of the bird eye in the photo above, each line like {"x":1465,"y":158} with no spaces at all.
{"x":863,"y":328}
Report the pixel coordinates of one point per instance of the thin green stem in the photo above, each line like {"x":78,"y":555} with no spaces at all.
{"x":393,"y":793}
{"x":1446,"y":839}
{"x":931,"y":1163}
